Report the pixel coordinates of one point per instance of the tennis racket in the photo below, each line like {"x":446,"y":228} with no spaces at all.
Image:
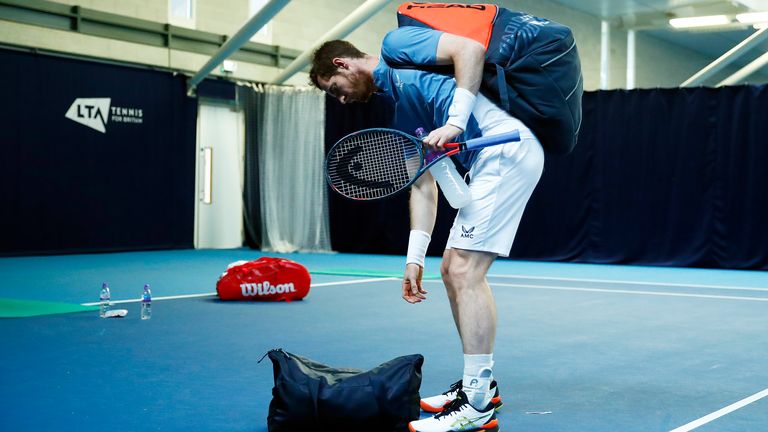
{"x":377,"y":163}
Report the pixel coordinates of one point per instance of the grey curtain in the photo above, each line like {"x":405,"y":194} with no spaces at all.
{"x":288,"y":126}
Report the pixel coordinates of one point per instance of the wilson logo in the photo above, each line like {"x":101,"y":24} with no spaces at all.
{"x":262,"y":289}
{"x":467,"y":233}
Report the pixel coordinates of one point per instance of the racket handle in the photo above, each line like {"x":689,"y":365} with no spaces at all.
{"x":492,"y":140}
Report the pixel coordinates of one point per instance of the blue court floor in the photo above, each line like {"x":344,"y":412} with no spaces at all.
{"x":579,"y":347}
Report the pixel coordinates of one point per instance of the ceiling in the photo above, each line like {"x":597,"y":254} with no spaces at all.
{"x":651,"y":17}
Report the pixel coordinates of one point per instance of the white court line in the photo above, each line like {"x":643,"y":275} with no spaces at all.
{"x":656,"y":293}
{"x":153,"y":299}
{"x":356,"y":281}
{"x":721,"y":412}
{"x":349,"y":282}
{"x":623,"y":282}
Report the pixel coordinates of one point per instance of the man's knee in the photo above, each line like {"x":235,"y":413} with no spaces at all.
{"x":465,"y":267}
{"x":445,"y":269}
{"x":459,"y":269}
{"x":454,"y":273}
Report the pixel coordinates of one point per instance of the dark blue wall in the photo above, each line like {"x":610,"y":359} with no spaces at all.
{"x":67,"y":187}
{"x":659,"y":177}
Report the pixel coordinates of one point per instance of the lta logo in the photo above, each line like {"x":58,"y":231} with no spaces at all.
{"x":96,"y":112}
{"x":91,"y":112}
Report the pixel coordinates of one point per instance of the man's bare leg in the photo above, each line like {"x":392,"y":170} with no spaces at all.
{"x":474,"y":312}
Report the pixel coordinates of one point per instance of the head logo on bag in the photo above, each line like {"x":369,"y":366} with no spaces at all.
{"x":266,"y":279}
{"x":472,"y":21}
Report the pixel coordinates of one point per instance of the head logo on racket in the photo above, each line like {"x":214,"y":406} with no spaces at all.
{"x":377,"y":163}
{"x":356,"y":172}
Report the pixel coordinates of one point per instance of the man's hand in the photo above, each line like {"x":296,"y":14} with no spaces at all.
{"x":441,"y":136}
{"x":413,"y":292}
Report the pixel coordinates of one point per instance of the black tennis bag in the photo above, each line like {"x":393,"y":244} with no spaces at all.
{"x":310,"y":396}
{"x":532,"y":67}
{"x":537,"y":78}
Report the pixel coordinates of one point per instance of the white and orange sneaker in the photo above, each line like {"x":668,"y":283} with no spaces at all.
{"x":436,"y":404}
{"x":459,"y":416}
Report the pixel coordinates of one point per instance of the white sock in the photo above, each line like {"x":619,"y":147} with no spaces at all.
{"x":474,"y":362}
{"x":478,"y":374}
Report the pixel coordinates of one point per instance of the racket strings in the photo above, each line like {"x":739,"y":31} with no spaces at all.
{"x":373,"y":164}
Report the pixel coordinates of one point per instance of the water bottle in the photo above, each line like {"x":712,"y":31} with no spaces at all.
{"x":454,"y":187}
{"x":104,"y":300}
{"x":146,"y":303}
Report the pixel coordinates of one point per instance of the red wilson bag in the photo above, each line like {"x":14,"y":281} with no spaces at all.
{"x":266,"y":279}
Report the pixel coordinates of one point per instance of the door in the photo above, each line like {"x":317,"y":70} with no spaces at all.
{"x":219,"y":203}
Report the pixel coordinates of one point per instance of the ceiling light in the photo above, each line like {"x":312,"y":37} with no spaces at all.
{"x":752,"y":17}
{"x":759,"y":26}
{"x":704,"y":21}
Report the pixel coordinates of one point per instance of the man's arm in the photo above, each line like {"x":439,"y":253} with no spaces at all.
{"x":423,"y":204}
{"x":468,"y":59}
{"x":418,"y":46}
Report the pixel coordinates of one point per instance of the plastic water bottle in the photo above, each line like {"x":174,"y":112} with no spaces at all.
{"x":146,"y":303}
{"x":104,"y":300}
{"x":454,"y":187}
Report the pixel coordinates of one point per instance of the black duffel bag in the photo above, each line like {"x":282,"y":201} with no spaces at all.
{"x":310,"y":396}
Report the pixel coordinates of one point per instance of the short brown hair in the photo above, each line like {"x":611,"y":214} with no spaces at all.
{"x":322,"y":59}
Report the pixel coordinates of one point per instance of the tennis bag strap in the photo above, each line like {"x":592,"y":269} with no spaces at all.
{"x":311,"y":396}
{"x":532,"y":66}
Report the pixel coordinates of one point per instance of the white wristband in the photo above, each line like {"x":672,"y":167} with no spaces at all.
{"x":417,"y":247}
{"x":461,"y":108}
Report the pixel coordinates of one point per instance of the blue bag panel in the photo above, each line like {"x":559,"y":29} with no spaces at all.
{"x":535,"y":75}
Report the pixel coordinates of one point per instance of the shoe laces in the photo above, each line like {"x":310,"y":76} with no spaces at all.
{"x":454,"y":406}
{"x":455,"y":387}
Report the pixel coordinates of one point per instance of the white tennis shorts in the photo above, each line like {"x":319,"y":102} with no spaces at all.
{"x":502,"y":180}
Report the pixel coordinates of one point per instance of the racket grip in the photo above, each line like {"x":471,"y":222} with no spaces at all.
{"x":491,"y":140}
